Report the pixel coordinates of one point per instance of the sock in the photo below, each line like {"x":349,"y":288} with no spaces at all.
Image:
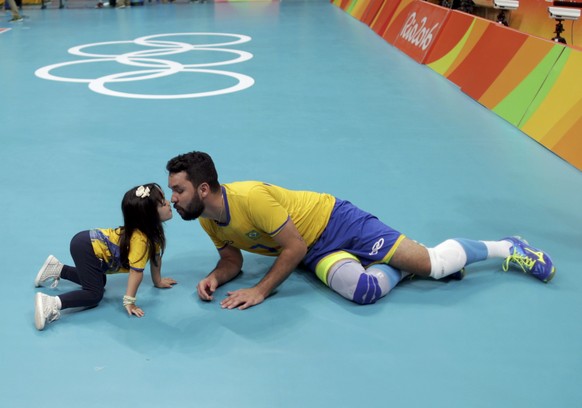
{"x":454,"y":254}
{"x":393,"y":275}
{"x":497,"y":249}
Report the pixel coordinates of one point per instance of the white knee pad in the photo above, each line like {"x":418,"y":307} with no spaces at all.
{"x":352,"y":281}
{"x":446,"y":258}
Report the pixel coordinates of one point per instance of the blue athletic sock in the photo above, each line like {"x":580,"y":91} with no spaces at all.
{"x":394,"y":275}
{"x":476,"y":250}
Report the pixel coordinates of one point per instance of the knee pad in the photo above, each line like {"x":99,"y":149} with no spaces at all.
{"x":352,"y":281}
{"x":446,"y":258}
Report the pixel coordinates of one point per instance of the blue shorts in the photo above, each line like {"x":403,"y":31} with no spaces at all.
{"x":352,"y":233}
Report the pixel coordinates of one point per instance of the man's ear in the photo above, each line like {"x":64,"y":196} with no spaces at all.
{"x":203,"y":190}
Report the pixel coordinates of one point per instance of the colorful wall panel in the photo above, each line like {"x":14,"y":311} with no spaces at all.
{"x":555,"y":116}
{"x":384,"y":15}
{"x":514,"y":89}
{"x":371,"y":11}
{"x":358,"y":8}
{"x":530,"y":81}
{"x":513,"y":74}
{"x":501,"y":68}
{"x":363,"y":10}
{"x":343,"y":4}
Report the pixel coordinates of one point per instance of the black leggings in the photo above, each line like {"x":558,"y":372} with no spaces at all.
{"x":89,"y":272}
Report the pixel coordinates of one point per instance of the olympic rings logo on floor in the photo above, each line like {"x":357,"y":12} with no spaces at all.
{"x":153,"y":68}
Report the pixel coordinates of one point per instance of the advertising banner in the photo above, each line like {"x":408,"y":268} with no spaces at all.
{"x":415,"y":28}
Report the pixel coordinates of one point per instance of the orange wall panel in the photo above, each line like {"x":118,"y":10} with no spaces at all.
{"x":371,"y":11}
{"x":384,"y":16}
{"x":523,"y":63}
{"x":487,"y":59}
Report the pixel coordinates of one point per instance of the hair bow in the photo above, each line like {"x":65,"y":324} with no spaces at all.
{"x":142,"y":192}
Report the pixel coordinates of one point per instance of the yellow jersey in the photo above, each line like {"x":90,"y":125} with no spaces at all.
{"x":105,"y":242}
{"x":257,"y":211}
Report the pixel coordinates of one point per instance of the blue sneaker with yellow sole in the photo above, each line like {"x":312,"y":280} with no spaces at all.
{"x":529,"y":259}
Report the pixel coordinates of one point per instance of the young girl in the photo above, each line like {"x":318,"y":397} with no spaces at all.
{"x":99,"y":251}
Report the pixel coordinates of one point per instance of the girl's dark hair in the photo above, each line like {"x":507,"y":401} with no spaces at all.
{"x":140,"y":212}
{"x":198,"y":166}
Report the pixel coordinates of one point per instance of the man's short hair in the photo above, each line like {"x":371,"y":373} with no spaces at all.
{"x":198,"y":166}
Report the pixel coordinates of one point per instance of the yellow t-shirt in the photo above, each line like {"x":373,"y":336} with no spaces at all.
{"x":105,"y":244}
{"x":257,"y":211}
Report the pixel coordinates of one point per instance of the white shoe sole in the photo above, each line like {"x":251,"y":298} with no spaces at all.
{"x":39,"y":319}
{"x":37,"y":282}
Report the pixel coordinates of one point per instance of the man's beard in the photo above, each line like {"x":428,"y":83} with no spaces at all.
{"x":192,"y":212}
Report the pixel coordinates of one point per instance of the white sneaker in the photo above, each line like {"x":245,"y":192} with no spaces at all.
{"x":50,"y":269}
{"x":46,"y":310}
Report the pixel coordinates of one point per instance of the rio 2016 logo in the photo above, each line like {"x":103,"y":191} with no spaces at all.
{"x":418,"y":34}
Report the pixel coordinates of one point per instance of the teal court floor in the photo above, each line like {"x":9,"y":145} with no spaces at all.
{"x":300,"y":94}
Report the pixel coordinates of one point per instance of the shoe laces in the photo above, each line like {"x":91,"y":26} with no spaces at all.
{"x":51,"y":310}
{"x":523,"y":261}
{"x":53,"y":270}
{"x":53,"y":315}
